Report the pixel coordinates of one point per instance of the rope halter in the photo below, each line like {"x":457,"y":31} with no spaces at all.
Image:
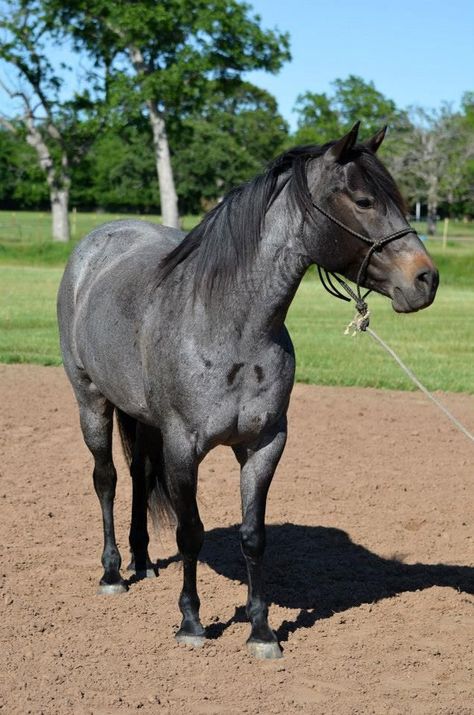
{"x":327,"y":277}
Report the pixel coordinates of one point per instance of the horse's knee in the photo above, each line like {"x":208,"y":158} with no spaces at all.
{"x":252,"y":540}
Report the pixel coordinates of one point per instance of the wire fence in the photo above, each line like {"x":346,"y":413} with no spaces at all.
{"x":35,"y":226}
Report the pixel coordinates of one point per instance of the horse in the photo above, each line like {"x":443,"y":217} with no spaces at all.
{"x":183,"y":337}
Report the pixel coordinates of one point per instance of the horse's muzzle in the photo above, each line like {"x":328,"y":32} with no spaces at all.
{"x":418,"y":293}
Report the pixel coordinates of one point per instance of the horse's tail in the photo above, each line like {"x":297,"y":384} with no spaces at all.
{"x":128,"y":433}
{"x":159,"y":501}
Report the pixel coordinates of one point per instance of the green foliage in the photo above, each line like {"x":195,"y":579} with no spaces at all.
{"x":354,"y":99}
{"x":318,"y":121}
{"x":21,"y":179}
{"x":430,"y":160}
{"x":230,"y":140}
{"x":184,"y":43}
{"x":119,"y":172}
{"x":322,"y":118}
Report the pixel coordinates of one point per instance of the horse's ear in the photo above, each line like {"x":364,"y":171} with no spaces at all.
{"x":337,"y":151}
{"x":374,"y":142}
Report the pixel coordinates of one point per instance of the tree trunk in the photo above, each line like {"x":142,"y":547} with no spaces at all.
{"x":57,"y":175}
{"x":431,"y":219}
{"x":168,"y":196}
{"x":60,"y":213}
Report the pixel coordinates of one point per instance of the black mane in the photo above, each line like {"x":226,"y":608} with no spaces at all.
{"x":226,"y":241}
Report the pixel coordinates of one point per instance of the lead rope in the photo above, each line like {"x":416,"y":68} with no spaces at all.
{"x":420,"y":385}
{"x":360,"y":322}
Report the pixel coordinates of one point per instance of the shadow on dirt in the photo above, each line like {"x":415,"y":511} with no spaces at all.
{"x":320,"y":571}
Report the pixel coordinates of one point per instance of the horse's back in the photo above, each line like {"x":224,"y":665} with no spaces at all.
{"x":129,"y":239}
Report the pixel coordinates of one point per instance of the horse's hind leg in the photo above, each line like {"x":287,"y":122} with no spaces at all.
{"x":141,"y":470}
{"x":96,"y":415}
{"x":258,"y":465}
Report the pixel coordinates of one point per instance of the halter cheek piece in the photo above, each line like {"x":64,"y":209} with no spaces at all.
{"x":327,"y":277}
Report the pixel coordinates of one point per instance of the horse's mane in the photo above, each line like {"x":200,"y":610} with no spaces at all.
{"x":226,"y":241}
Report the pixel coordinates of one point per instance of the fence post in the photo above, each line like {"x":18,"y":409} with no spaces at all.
{"x":445,"y":233}
{"x":74,"y":222}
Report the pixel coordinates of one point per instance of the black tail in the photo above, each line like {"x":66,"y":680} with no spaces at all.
{"x":150,"y":445}
{"x":128,"y":434}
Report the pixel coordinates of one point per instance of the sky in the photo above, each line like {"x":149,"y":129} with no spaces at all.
{"x":415,"y":51}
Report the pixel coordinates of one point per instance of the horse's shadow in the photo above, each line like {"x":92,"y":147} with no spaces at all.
{"x":320,"y":571}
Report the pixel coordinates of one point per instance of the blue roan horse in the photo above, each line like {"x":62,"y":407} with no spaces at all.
{"x":184,"y":338}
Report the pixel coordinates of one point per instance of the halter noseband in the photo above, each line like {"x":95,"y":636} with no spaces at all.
{"x":327,"y":276}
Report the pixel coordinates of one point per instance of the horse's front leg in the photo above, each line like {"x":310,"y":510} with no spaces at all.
{"x":258,"y":464}
{"x":180,"y":465}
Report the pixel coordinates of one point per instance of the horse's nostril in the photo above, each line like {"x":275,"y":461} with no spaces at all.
{"x":429,"y":278}
{"x":424,"y":277}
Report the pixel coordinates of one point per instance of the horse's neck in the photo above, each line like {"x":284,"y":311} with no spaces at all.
{"x":262,"y":297}
{"x":284,"y":267}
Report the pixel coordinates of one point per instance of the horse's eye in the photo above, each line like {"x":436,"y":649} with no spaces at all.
{"x":364,"y":203}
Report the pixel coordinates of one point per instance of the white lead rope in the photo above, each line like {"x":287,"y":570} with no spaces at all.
{"x":413,"y":377}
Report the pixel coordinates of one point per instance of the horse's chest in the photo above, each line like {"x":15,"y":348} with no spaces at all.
{"x":247,"y":399}
{"x":222,"y":394}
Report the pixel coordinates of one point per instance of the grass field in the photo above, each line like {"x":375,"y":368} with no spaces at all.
{"x":25,"y":240}
{"x":25,"y":236}
{"x":436,"y":343}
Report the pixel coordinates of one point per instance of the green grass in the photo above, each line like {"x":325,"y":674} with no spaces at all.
{"x":25,"y":239}
{"x":25,"y":236}
{"x":436,"y":343}
{"x":28,"y":331}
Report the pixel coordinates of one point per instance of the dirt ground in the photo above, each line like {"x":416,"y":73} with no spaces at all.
{"x":369,"y":567}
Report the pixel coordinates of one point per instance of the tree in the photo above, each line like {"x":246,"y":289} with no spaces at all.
{"x":21,"y":178}
{"x":318,"y":121}
{"x":323,"y":118}
{"x":118,"y":173}
{"x":49,"y":124}
{"x":432,"y":158}
{"x":166,"y":54}
{"x":227,"y":142}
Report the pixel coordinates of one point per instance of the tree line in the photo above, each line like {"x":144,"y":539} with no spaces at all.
{"x":164,"y":120}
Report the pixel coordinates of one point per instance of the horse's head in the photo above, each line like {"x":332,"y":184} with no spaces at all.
{"x":350,"y":186}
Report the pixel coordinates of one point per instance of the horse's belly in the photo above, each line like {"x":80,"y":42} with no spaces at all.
{"x":108,"y":348}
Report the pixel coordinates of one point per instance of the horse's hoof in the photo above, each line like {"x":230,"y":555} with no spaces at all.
{"x":195,"y":641}
{"x":143,"y":573}
{"x":264,"y":651}
{"x":149,"y":572}
{"x":112,"y":589}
